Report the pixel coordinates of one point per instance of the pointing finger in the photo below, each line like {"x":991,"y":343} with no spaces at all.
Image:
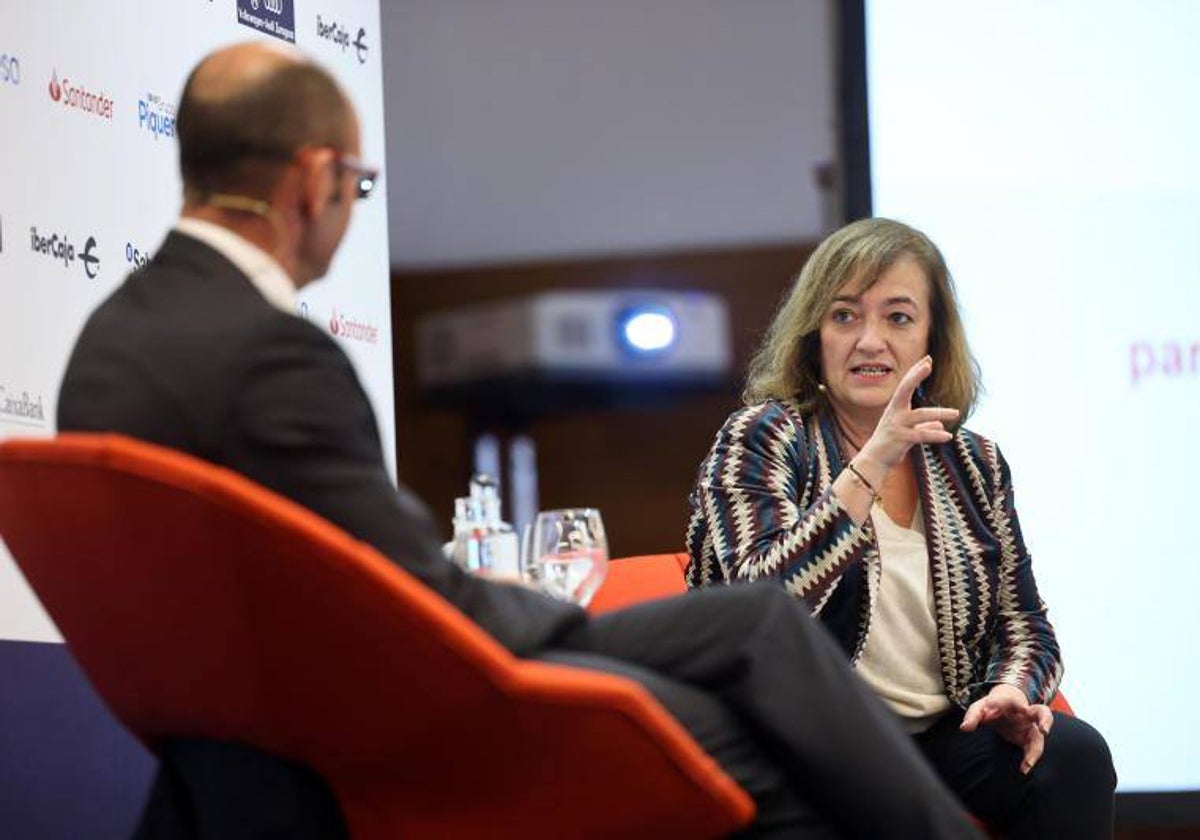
{"x":912,"y":378}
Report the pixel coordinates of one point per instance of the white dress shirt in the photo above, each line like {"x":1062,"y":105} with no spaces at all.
{"x":264,"y":272}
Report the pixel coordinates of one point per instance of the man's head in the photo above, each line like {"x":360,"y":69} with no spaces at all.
{"x":268,"y":144}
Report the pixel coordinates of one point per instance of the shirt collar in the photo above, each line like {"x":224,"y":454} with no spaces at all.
{"x":260,"y":268}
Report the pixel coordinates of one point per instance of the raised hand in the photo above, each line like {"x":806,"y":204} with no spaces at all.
{"x":902,"y":426}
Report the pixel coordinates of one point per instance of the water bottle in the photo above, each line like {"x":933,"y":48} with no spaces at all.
{"x":483,"y":543}
{"x":499,"y":550}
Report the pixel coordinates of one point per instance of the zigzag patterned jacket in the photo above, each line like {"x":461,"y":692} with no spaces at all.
{"x":763,"y":509}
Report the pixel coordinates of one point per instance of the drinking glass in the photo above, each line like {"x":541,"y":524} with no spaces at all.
{"x":568,"y":554}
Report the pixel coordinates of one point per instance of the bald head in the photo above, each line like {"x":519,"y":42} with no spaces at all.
{"x":246,"y":110}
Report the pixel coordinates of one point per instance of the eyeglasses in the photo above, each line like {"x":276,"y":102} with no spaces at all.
{"x":365,"y":176}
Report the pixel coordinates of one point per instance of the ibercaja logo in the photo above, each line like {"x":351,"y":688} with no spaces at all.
{"x":61,"y":248}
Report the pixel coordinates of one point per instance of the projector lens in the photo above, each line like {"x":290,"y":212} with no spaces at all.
{"x":649,"y":329}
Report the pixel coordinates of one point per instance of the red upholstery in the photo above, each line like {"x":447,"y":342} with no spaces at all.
{"x":1059,"y":704}
{"x":635,"y":579}
{"x":201,"y":604}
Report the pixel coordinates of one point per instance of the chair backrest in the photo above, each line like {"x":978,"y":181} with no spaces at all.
{"x":201,"y":604}
{"x":631,"y":580}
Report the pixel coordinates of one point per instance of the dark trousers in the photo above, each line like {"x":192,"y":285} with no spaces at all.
{"x":819,"y":752}
{"x":1069,"y":792}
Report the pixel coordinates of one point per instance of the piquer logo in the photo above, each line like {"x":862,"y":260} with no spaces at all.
{"x":74,"y":95}
{"x":157,"y":116}
{"x":342,"y":326}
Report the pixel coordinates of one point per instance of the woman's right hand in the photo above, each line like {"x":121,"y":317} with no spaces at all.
{"x":902,"y":426}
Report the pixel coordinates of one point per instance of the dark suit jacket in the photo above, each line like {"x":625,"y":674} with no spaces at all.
{"x":188,"y":354}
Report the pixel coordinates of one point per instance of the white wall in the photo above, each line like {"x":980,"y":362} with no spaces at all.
{"x":538,"y":128}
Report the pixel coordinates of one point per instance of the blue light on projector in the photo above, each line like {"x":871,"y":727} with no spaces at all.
{"x":648,"y":329}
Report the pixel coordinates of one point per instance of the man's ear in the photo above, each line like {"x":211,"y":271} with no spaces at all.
{"x":318,"y":182}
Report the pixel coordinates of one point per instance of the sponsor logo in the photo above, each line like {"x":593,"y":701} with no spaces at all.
{"x":91,"y":262}
{"x":10,"y":69}
{"x":74,"y":95}
{"x":156,"y":115}
{"x":21,"y":407}
{"x":337,"y":33}
{"x":135,"y":256}
{"x":60,"y":248}
{"x":360,"y":45}
{"x":274,"y":17}
{"x":342,"y":326}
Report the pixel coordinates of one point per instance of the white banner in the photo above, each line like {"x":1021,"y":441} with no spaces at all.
{"x":1050,"y":150}
{"x":89,"y":186}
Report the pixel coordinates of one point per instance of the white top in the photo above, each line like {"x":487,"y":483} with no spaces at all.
{"x":264,"y":272}
{"x":900,"y":660}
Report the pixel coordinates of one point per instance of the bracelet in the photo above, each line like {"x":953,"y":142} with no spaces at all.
{"x":863,"y":481}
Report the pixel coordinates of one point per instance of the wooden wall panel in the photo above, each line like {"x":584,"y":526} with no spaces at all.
{"x":635,"y":464}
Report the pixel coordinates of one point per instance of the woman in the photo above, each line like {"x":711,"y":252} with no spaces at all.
{"x":848,"y":479}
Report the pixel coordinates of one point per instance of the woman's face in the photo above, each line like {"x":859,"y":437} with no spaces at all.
{"x":870,"y":340}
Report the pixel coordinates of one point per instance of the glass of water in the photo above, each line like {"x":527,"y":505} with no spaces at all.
{"x":568,"y":554}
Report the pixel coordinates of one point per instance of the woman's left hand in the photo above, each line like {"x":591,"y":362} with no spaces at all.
{"x":1019,"y":722}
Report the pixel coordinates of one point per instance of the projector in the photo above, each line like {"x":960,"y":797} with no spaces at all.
{"x":606,"y":337}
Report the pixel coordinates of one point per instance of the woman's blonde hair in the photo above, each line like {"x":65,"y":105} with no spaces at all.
{"x":788,"y":364}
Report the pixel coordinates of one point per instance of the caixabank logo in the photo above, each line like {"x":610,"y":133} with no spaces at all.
{"x":72,"y":94}
{"x":343,"y":326}
{"x":62,"y":249}
{"x":156,"y":116}
{"x":332,"y":30}
{"x":274,"y":17}
{"x":20,"y":407}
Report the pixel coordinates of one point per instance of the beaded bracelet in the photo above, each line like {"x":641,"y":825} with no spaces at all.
{"x":863,"y":481}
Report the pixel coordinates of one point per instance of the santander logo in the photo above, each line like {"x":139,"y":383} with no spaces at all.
{"x":79,"y":97}
{"x":342,"y":326}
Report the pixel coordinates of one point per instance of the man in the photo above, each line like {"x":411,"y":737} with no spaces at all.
{"x":200,"y":350}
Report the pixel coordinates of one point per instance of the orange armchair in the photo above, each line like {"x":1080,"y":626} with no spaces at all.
{"x":634,"y":579}
{"x":647,"y":576}
{"x":202,"y":605}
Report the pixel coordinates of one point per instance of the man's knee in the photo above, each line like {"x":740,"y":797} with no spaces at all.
{"x":724,"y":736}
